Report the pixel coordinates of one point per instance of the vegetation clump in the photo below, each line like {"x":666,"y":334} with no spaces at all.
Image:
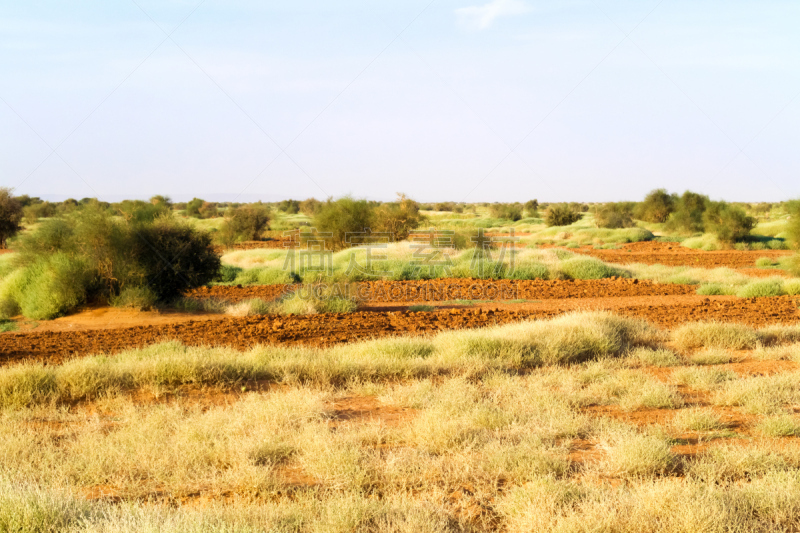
{"x":561,"y":215}
{"x":90,"y":256}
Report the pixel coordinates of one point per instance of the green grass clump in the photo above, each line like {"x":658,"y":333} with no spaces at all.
{"x":644,"y":356}
{"x":792,"y":287}
{"x":715,"y":335}
{"x":765,"y":262}
{"x":421,"y":308}
{"x":697,"y":420}
{"x":779,"y":426}
{"x":761,"y":288}
{"x":252,"y":307}
{"x":633,"y":455}
{"x":530,"y":271}
{"x":711,"y":289}
{"x":711,"y":356}
{"x":589,"y":268}
{"x":7,"y":325}
{"x":134,"y":298}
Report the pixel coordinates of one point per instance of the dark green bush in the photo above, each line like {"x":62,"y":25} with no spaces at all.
{"x":615,"y":215}
{"x":532,"y":208}
{"x":174,"y":257}
{"x":561,"y":215}
{"x":245,"y":223}
{"x":728,"y":222}
{"x":511,"y":212}
{"x":290,"y":207}
{"x":688,"y":214}
{"x":343,"y":216}
{"x":91,"y":256}
{"x":10,"y":216}
{"x":656,"y":206}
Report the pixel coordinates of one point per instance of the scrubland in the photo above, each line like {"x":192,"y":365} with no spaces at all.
{"x":584,"y":422}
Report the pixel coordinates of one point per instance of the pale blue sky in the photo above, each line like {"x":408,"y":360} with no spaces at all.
{"x":476,"y":100}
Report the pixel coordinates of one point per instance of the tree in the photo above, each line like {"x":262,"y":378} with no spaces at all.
{"x":193,"y":207}
{"x":561,"y":215}
{"x":290,"y":207}
{"x":656,"y":206}
{"x":10,"y":216}
{"x":511,"y":212}
{"x":532,"y":207}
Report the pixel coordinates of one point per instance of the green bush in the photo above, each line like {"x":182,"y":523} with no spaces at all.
{"x":561,"y":215}
{"x":761,"y":288}
{"x":728,"y":222}
{"x":588,"y":268}
{"x":10,"y":216}
{"x":53,"y":286}
{"x":511,"y":212}
{"x":614,"y":216}
{"x":765,"y":262}
{"x":228,"y":273}
{"x":397,"y":219}
{"x":174,"y":257}
{"x":245,"y":223}
{"x":793,"y":224}
{"x":688,"y":214}
{"x":340,"y":218}
{"x":656,"y":207}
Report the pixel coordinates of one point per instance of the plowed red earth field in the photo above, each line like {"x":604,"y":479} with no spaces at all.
{"x":323,"y":330}
{"x":673,"y":254}
{"x":451,"y":289}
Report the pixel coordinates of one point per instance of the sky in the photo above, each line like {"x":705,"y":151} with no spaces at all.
{"x":460,"y":100}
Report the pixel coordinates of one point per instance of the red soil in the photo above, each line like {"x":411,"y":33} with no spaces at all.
{"x":328,"y":329}
{"x":673,"y":254}
{"x":451,"y":289}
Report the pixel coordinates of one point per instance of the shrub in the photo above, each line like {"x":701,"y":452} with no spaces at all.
{"x":793,"y":224}
{"x":228,"y":273}
{"x":765,"y":262}
{"x":588,"y":268}
{"x":728,"y":222}
{"x":614,"y":215}
{"x":532,"y":208}
{"x":688,"y":214}
{"x":136,"y":211}
{"x":399,"y":218}
{"x":174,"y":257}
{"x":290,"y":207}
{"x":245,"y":223}
{"x":53,"y":286}
{"x":10,"y":216}
{"x":421,"y":308}
{"x":342,"y":217}
{"x":761,"y":288}
{"x":511,"y":212}
{"x":656,"y":207}
{"x":309,"y":206}
{"x":561,"y":215}
{"x":193,"y":207}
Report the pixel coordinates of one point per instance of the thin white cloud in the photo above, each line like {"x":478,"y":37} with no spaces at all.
{"x":481,"y":17}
